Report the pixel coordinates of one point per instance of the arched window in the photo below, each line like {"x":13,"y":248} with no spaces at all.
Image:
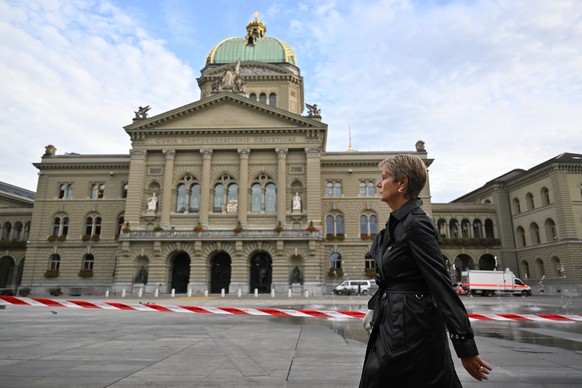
{"x":97,"y":190}
{"x":195,"y":198}
{"x":545,"y":194}
{"x":551,"y":233}
{"x":263,"y":98}
{"x":6,"y":231}
{"x":273,"y":99}
{"x":516,"y":206}
{"x":454,"y":228}
{"x":120,"y":223}
{"x":333,"y":189}
{"x":88,"y":261}
{"x":367,"y":189}
{"x":489,"y":228}
{"x":520,"y":234}
{"x":66,"y":191}
{"x":253,"y":96}
{"x":329,"y":189}
{"x":363,"y":189}
{"x":530,"y":201}
{"x":368,"y":225}
{"x":442,"y":227}
{"x":477,"y":229}
{"x":263,"y":195}
{"x":337,"y":189}
{"x":218,"y":198}
{"x":335,"y":225}
{"x":371,"y":189}
{"x":525,"y":269}
{"x":465,"y":228}
{"x":55,"y":262}
{"x":61,"y":226}
{"x":540,"y":267}
{"x":181,"y":198}
{"x":557,"y":267}
{"x":335,"y":260}
{"x":232,"y":198}
{"x":535,"y":233}
{"x":93,"y":226}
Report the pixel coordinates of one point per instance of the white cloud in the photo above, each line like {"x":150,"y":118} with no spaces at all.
{"x":73,"y":74}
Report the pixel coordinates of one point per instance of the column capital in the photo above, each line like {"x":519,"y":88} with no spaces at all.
{"x":138,"y":154}
{"x":282,"y":152}
{"x":170,"y":154}
{"x":206,"y":153}
{"x":313,"y":152}
{"x":244,"y":153}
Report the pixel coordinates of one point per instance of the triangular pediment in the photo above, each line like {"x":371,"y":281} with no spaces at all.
{"x":224,"y":110}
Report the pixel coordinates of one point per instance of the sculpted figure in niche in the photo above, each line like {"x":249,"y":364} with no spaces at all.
{"x":296,"y":202}
{"x":142,"y":275}
{"x":296,"y":276}
{"x":153,"y":203}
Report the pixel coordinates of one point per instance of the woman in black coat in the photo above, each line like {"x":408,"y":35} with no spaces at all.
{"x":415,"y":304}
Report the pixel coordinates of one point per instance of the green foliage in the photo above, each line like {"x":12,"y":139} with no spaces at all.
{"x":55,"y":291}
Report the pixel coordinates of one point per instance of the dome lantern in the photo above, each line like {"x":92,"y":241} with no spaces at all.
{"x":256,"y":29}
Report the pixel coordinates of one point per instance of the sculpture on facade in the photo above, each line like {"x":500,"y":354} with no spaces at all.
{"x":230,"y":81}
{"x":142,"y":275}
{"x":153,"y":203}
{"x":296,"y":276}
{"x":297,"y":202}
{"x":420,"y":146}
{"x":313,"y":110}
{"x":142,"y":112}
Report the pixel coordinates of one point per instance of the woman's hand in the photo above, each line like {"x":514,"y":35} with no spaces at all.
{"x":477,"y":367}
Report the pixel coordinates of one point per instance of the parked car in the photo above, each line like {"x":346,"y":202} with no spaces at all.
{"x":353,"y":287}
{"x":459,"y":289}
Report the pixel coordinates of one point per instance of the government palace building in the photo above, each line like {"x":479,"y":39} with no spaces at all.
{"x":236,"y":191}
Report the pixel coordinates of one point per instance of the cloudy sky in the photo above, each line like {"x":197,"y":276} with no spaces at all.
{"x":489,"y":85}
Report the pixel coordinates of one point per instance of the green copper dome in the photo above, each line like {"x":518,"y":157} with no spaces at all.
{"x":254,"y":47}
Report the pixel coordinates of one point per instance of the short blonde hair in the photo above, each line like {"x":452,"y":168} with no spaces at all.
{"x":410,"y":166}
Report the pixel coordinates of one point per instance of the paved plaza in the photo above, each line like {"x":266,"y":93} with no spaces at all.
{"x":66,"y":347}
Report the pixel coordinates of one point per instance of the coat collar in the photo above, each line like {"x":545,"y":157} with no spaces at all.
{"x":403,"y":210}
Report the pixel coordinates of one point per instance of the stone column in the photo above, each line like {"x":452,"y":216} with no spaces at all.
{"x":205,"y":187}
{"x":136,"y":186}
{"x":282,"y":185}
{"x":243,"y":195}
{"x":167,"y":188}
{"x":313,"y":201}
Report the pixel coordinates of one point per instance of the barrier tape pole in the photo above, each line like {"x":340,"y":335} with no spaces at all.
{"x":261,"y":311}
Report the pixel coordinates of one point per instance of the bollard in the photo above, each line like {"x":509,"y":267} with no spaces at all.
{"x":222,"y":292}
{"x":273,"y":293}
{"x":140,"y":292}
{"x":206,"y":293}
{"x":157,"y":292}
{"x":306,"y":293}
{"x":239,"y":293}
{"x":256,"y":292}
{"x":107,"y":293}
{"x":189,"y":292}
{"x":290,"y":293}
{"x":173,"y":292}
{"x":123,"y":293}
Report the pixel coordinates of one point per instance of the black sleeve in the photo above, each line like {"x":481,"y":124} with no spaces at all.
{"x":423,"y":241}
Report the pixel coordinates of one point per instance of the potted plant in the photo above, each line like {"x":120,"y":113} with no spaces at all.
{"x":52,"y":238}
{"x":85,"y":237}
{"x":311,"y":228}
{"x":86,"y":273}
{"x":126,"y":228}
{"x":62,"y":237}
{"x":158,"y":228}
{"x":95,"y":237}
{"x":51,"y":273}
{"x":55,"y":291}
{"x":238,"y":228}
{"x":24,"y":291}
{"x":279,"y":228}
{"x":198,"y":228}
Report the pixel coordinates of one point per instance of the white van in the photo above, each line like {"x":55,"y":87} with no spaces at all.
{"x":353,"y":286}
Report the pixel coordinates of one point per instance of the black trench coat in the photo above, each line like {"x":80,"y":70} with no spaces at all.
{"x":413,"y":307}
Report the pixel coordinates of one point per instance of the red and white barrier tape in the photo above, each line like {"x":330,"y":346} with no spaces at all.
{"x":269,"y":312}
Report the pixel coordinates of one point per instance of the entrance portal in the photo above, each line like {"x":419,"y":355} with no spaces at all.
{"x":220,"y":273}
{"x":261,"y":273}
{"x":181,"y":272}
{"x":6,"y":271}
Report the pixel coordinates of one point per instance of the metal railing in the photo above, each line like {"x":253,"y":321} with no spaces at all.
{"x":185,"y":235}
